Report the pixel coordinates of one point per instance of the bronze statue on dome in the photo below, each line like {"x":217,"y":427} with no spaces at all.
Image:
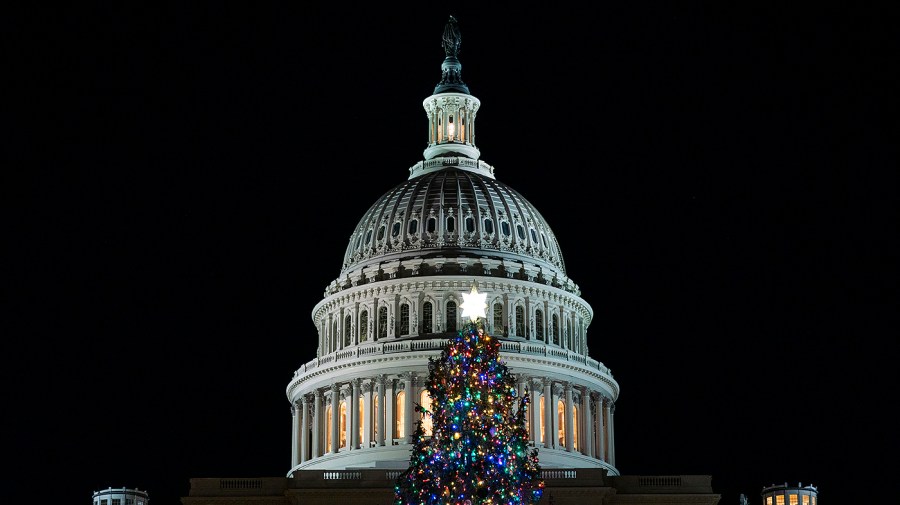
{"x":451,"y":38}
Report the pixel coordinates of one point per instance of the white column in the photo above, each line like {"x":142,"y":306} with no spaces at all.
{"x":353,"y":421}
{"x":379,"y":412}
{"x":390,"y":406}
{"x":367,"y":414}
{"x":295,"y":434}
{"x":570,"y":418}
{"x":587,"y":430}
{"x":549,"y":414}
{"x":317,"y":424}
{"x":612,"y":435}
{"x":335,"y":418}
{"x":304,"y":429}
{"x":601,"y":428}
{"x":535,"y":424}
{"x":408,"y":381}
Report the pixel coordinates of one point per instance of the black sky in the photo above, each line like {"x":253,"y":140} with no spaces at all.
{"x":182,"y":181}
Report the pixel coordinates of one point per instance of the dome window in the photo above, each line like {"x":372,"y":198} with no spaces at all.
{"x":431,"y":225}
{"x":520,"y":231}
{"x":544,"y":239}
{"x":451,"y":224}
{"x":395,"y":230}
{"x":382,"y":322}
{"x":368,"y":237}
{"x":404,"y":319}
{"x":539,"y":324}
{"x":381,"y":233}
{"x":413,"y":226}
{"x":488,"y":226}
{"x":470,"y":225}
{"x":427,"y":311}
{"x":504,"y":228}
{"x":534,"y":238}
{"x":451,"y":316}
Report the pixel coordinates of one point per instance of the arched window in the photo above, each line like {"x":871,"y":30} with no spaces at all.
{"x":404,"y":319}
{"x":488,"y":226}
{"x":520,"y":231}
{"x":520,"y":321}
{"x":575,"y":428}
{"x":431,"y":225}
{"x":382,"y":322}
{"x":363,"y":326}
{"x":504,"y":228}
{"x":347,"y":330}
{"x":539,"y":324}
{"x":427,"y":314}
{"x":343,"y":432}
{"x":328,"y":421}
{"x":542,"y":439}
{"x":413,"y":226}
{"x":380,"y":233}
{"x":555,"y":329}
{"x":561,"y":422}
{"x":425,"y":402}
{"x":451,"y":224}
{"x":398,"y":424}
{"x":334,"y":336}
{"x":395,"y":230}
{"x":498,"y":318}
{"x":451,"y":316}
{"x":362,"y":415}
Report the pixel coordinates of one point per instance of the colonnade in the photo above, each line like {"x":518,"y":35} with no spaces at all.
{"x":382,"y":410}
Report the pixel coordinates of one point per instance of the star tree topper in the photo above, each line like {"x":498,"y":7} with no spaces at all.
{"x":473,"y":304}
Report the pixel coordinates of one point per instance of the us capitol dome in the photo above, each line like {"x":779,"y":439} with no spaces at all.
{"x":449,"y":226}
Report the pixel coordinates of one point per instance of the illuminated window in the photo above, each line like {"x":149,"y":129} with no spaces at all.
{"x":498,"y":318}
{"x":542,"y":420}
{"x":398,"y":424}
{"x":451,"y":316}
{"x":362,"y":415}
{"x":343,"y":427}
{"x":328,"y":421}
{"x":520,"y":321}
{"x":813,"y":502}
{"x":575,"y":428}
{"x":375,"y":424}
{"x":425,"y":402}
{"x":768,"y":500}
{"x":539,"y":324}
{"x":363,"y":325}
{"x":805,"y":499}
{"x":404,"y":319}
{"x":779,"y":500}
{"x":561,"y":423}
{"x":382,"y":322}
{"x":427,"y":314}
{"x":793,"y":499}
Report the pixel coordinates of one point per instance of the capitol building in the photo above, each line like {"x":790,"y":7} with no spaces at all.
{"x":451,"y":225}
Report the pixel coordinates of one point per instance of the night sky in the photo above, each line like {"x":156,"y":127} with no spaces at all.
{"x":181,"y":182}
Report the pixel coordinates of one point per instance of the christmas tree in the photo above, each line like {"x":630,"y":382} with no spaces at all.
{"x":477,"y":452}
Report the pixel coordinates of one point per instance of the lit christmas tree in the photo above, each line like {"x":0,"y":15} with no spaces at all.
{"x":478,"y":451}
